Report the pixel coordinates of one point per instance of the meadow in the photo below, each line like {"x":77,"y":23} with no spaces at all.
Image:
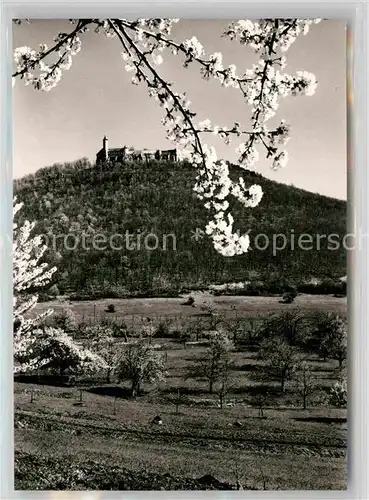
{"x":134,"y":310}
{"x":257,"y":438}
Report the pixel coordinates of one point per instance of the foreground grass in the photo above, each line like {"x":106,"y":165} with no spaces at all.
{"x":289,"y":449}
{"x":54,"y":473}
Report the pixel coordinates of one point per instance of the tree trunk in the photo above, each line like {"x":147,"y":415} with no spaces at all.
{"x":304,"y":397}
{"x":283,"y":385}
{"x":211,"y":386}
{"x":135,"y":389}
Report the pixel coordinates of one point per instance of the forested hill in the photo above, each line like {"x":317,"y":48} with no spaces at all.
{"x":83,"y":201}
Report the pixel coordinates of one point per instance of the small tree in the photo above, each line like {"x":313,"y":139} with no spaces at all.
{"x":338,"y":344}
{"x":148,"y":331}
{"x":216,"y":360}
{"x":95,"y":333}
{"x":290,"y":325}
{"x":186,"y":335}
{"x":280,"y":360}
{"x":338,"y":394}
{"x":140,"y":363}
{"x":65,"y":320}
{"x":106,"y":348}
{"x":305,"y":383}
{"x":226,"y":384}
{"x":179,"y":399}
{"x":260,"y":400}
{"x":329,"y":337}
{"x":162,"y":328}
{"x":244,"y":332}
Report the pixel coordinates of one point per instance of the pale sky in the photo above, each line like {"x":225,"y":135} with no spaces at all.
{"x":96,"y":97}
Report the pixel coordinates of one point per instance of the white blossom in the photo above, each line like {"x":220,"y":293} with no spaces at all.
{"x":33,"y":345}
{"x":157,"y":58}
{"x":262,"y":87}
{"x":193,"y":47}
{"x":280,"y":160}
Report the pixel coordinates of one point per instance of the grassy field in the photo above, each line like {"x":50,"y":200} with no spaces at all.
{"x":93,"y":436}
{"x":132,"y":310}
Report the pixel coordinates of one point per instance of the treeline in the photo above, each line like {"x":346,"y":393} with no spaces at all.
{"x":153,"y":203}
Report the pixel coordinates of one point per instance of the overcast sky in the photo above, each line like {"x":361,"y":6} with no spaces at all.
{"x":95,"y":97}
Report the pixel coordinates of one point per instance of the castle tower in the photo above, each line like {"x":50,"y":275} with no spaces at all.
{"x":105,"y":148}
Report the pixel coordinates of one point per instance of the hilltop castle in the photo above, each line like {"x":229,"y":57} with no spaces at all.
{"x":126,"y":153}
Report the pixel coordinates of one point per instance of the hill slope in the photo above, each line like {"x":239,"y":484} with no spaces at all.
{"x":76,"y":202}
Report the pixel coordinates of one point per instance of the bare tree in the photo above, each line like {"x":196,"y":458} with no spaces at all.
{"x":260,"y":401}
{"x":305,"y":383}
{"x":212,"y":366}
{"x":226,"y":384}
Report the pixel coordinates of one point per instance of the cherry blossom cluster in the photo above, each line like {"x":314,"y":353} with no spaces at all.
{"x":31,"y":65}
{"x":27,"y":273}
{"x":258,"y":35}
{"x":30,"y":273}
{"x":154,"y":41}
{"x":46,"y":345}
{"x":143,"y":43}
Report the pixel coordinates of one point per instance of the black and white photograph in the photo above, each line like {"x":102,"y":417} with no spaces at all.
{"x":180,"y":251}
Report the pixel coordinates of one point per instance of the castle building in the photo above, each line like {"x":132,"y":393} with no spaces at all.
{"x":125,"y":153}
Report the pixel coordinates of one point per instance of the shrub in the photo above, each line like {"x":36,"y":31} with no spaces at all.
{"x":288,"y":298}
{"x":117,"y":328}
{"x":162,"y":329}
{"x":99,"y":332}
{"x":54,"y":291}
{"x":65,"y":320}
